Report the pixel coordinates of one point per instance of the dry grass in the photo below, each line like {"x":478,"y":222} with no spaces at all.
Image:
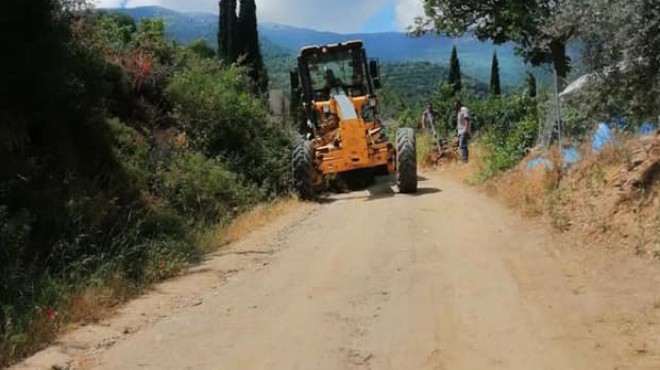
{"x":425,"y":148}
{"x":247,"y":223}
{"x":469,"y":172}
{"x":95,"y":303}
{"x":610,"y":199}
{"x":528,"y":191}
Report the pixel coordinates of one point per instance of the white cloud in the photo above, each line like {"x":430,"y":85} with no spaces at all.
{"x":407,"y":11}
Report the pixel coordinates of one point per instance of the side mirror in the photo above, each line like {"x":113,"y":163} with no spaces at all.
{"x":374,"y":69}
{"x":295,"y":80}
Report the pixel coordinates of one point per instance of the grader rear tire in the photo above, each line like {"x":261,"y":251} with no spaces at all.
{"x":302,"y":166}
{"x":406,"y":161}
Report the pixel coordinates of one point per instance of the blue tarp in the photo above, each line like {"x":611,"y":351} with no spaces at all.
{"x":647,"y":129}
{"x":539,"y":161}
{"x":570,"y":156}
{"x":601,"y":138}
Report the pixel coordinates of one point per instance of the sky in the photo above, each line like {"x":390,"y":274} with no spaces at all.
{"x":344,"y":16}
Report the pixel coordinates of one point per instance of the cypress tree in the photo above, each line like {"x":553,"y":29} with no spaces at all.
{"x":222,"y":28}
{"x":455,"y":71}
{"x":495,"y":88}
{"x":531,"y":85}
{"x":227,"y":31}
{"x":248,"y":39}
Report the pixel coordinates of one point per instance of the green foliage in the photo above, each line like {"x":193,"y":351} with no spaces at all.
{"x":507,"y":148}
{"x":117,"y":29}
{"x":390,"y":102}
{"x":415,"y":82}
{"x":204,"y":189}
{"x":222,"y":119}
{"x":409,"y":118}
{"x":151,"y":39}
{"x":202,"y":49}
{"x":531,"y":85}
{"x":495,"y":87}
{"x":454,"y":78}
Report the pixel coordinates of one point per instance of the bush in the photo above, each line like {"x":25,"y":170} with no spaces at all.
{"x":507,"y":149}
{"x":222,"y":119}
{"x":205,"y":190}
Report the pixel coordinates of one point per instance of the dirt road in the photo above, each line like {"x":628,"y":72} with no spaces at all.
{"x":446,"y":279}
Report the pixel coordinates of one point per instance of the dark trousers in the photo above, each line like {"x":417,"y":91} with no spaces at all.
{"x":463,"y":142}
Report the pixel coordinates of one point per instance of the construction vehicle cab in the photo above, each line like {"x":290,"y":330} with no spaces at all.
{"x":335,"y":85}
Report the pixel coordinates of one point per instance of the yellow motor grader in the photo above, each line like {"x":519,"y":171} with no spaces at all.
{"x":341,"y":130}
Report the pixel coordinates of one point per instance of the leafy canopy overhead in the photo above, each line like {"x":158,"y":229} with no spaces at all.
{"x":621,"y":41}
{"x":518,"y":21}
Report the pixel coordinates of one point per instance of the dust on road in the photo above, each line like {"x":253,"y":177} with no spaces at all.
{"x":445,"y":279}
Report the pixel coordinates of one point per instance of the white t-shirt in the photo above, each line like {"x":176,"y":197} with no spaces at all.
{"x":463,"y":126}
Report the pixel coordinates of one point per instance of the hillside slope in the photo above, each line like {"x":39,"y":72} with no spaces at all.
{"x":389,"y":47}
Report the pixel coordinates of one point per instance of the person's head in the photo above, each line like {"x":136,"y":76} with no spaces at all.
{"x":429,"y":106}
{"x":457,"y":105}
{"x":329,"y":76}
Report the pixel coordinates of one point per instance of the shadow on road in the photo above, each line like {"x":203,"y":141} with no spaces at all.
{"x":383,"y":188}
{"x":425,"y":191}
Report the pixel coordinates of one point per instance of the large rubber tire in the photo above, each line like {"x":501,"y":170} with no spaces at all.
{"x":302,"y":166}
{"x":406,"y":161}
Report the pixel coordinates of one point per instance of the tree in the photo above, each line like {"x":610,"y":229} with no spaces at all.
{"x":202,"y":49}
{"x":519,"y":21}
{"x":455,"y":71}
{"x":531,"y":85}
{"x":622,"y":47}
{"x":495,"y":88}
{"x":125,"y":24}
{"x":248,"y":39}
{"x":227,"y":31}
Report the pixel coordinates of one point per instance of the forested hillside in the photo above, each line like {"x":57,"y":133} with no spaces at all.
{"x":389,"y":47}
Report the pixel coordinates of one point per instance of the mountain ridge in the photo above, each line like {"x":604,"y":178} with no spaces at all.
{"x":386,"y":46}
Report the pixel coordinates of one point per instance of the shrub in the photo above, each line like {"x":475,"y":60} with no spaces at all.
{"x":205,"y":190}
{"x":222,"y":119}
{"x":507,"y":149}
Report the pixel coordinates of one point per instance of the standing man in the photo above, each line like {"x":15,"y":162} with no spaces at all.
{"x":428,"y":119}
{"x":463,"y":129}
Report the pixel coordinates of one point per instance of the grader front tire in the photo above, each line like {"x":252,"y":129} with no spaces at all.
{"x":406,"y":173}
{"x":302,"y":166}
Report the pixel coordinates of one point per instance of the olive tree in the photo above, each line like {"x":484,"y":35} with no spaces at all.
{"x":621,"y":41}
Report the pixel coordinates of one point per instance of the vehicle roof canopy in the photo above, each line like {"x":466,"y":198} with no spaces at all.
{"x":316,"y":49}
